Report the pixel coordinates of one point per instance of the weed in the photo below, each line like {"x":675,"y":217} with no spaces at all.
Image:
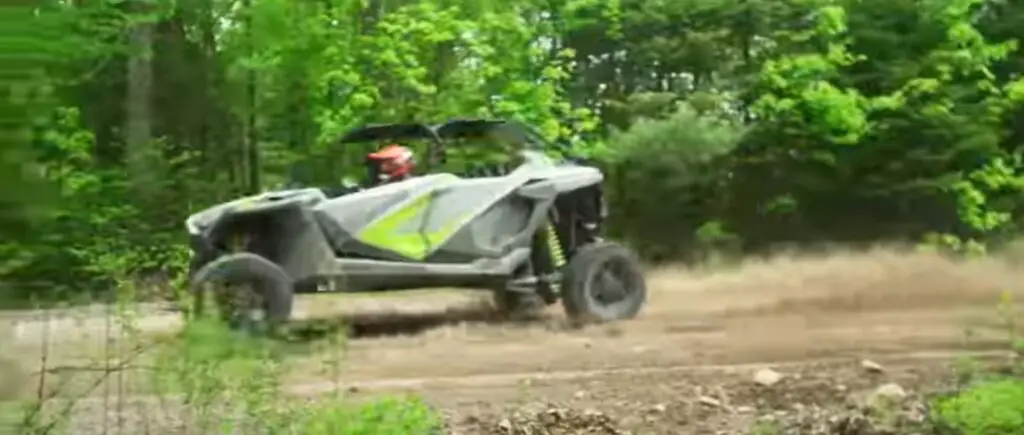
{"x":990,"y":408}
{"x":386,"y":416}
{"x":205,"y":379}
{"x":766,"y":427}
{"x":985,"y":404}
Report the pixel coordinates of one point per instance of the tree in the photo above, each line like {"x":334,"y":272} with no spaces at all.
{"x":729,"y":120}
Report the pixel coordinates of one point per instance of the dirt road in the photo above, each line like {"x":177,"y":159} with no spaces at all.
{"x":696,"y":345}
{"x":786,"y":309}
{"x":705,"y":334}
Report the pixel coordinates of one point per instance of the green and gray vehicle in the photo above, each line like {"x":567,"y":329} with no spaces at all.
{"x":530,"y":232}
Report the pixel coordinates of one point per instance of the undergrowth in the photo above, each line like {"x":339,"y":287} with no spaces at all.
{"x":987,"y":403}
{"x":204,"y":379}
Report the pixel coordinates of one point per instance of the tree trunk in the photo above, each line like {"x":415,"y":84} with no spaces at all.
{"x":251,"y":134}
{"x":139,"y":154}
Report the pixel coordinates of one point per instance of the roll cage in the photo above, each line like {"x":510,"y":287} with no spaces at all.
{"x":440,"y":136}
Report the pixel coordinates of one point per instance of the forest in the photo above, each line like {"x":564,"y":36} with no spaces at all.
{"x":734,"y":126}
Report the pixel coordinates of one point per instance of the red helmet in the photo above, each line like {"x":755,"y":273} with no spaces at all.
{"x":393,"y":162}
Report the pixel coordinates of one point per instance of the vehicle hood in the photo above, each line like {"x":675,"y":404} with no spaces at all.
{"x":197,"y":222}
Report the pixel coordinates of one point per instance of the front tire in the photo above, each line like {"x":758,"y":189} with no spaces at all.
{"x":603,"y":282}
{"x":251,"y":293}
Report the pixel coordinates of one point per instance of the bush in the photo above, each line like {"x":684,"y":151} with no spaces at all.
{"x":989,"y":408}
{"x":665,"y":184}
{"x":385,"y":416}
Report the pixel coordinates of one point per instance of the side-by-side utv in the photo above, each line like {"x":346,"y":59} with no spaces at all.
{"x":527,"y":231}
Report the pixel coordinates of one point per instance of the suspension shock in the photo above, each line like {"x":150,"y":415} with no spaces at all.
{"x":555,"y":247}
{"x":557,"y":255}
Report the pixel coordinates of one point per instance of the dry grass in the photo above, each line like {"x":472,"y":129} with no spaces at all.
{"x":879,"y":279}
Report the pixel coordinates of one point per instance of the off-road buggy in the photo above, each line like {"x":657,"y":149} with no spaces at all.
{"x":528,"y":231}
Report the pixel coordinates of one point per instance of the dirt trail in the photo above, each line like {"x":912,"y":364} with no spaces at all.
{"x":705,"y":333}
{"x":846,"y":304}
{"x":825,"y":312}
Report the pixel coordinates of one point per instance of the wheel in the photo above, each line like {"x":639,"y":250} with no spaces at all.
{"x":514,"y":305}
{"x":603,"y":282}
{"x":251,"y":293}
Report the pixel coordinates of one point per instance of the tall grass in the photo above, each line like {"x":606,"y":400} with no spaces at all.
{"x":204,"y":379}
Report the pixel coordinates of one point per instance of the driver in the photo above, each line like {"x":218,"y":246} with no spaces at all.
{"x":390,"y":164}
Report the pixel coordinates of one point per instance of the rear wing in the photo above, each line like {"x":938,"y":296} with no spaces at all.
{"x":378,"y":132}
{"x":399,"y":132}
{"x":440,"y":135}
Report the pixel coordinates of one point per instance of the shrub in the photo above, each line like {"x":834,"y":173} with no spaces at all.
{"x":385,"y":416}
{"x":665,"y":181}
{"x":989,"y":408}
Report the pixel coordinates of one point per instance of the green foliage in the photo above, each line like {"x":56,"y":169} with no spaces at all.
{"x":385,"y":416}
{"x":861,"y":138}
{"x":798,"y":88}
{"x":986,"y":404}
{"x":675,"y":161}
{"x":220,"y":372}
{"x":989,"y":408}
{"x":260,"y":101}
{"x":804,"y":122}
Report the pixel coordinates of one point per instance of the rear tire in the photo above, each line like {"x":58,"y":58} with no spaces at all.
{"x":603,"y":282}
{"x":268,"y":291}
